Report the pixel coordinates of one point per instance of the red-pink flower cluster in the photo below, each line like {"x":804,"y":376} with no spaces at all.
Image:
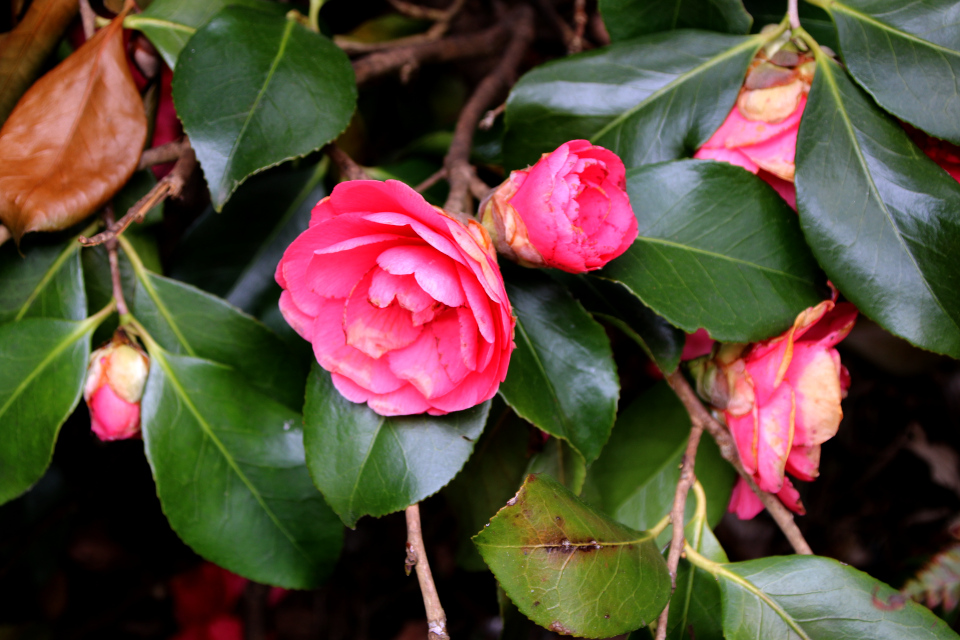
{"x":115,"y":380}
{"x":781,"y":401}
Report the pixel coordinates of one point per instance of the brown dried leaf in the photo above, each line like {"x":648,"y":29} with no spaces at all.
{"x":73,"y":139}
{"x":23,"y":50}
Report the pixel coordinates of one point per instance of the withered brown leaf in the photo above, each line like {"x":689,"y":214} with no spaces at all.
{"x":23,"y":50}
{"x":73,"y":139}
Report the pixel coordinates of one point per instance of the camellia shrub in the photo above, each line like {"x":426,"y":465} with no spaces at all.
{"x":398,"y":307}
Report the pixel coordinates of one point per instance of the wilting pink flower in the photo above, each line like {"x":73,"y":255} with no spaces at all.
{"x":569,"y":211}
{"x":403,"y":303}
{"x":760,"y":133}
{"x":781,"y":400}
{"x":115,"y":380}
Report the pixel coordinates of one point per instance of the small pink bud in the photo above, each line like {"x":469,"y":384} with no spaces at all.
{"x":115,"y":380}
{"x":569,"y":211}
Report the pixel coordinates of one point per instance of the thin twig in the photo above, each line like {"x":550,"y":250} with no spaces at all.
{"x":115,"y":279}
{"x":170,"y":186}
{"x":417,"y":556}
{"x":481,"y":43}
{"x":346,"y":167}
{"x":457,"y":161}
{"x":168,"y":152}
{"x":728,"y":449}
{"x":566,"y":32}
{"x":793,"y":14}
{"x":417,"y":11}
{"x":432,"y":180}
{"x":579,"y":24}
{"x":687,"y":478}
{"x":436,"y":31}
{"x":491,"y":116}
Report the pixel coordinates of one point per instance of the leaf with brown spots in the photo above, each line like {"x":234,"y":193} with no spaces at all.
{"x":23,"y":50}
{"x":570,"y":568}
{"x":73,"y":140}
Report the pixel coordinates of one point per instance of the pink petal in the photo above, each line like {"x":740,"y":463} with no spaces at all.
{"x":111,"y":417}
{"x":374,"y":330}
{"x":301,"y":322}
{"x":790,"y":497}
{"x":784,"y":188}
{"x":386,"y":287}
{"x":479,"y":303}
{"x":746,"y":434}
{"x":743,"y":501}
{"x":814,"y":375}
{"x":804,"y":462}
{"x":436,"y":274}
{"x":698,"y":343}
{"x":731,"y":156}
{"x":776,"y":429}
{"x":433,"y":364}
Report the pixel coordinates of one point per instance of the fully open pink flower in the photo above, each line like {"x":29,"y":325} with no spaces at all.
{"x":115,"y":380}
{"x":760,"y":133}
{"x":781,"y":401}
{"x":404,"y":304}
{"x":569,"y":211}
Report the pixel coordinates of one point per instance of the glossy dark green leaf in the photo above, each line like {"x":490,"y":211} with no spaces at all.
{"x":562,"y":377}
{"x":229,"y":466}
{"x":636,"y":476}
{"x":718,"y":249}
{"x":627,"y":19}
{"x":570,"y":568}
{"x":655,"y":98}
{"x":880,"y":216}
{"x":170,"y":23}
{"x":811,"y":598}
{"x":45,"y":282}
{"x":188,"y":321}
{"x":41,"y":381}
{"x":614,"y":303}
{"x":907,"y":56}
{"x":253,"y":90}
{"x":234,"y":254}
{"x":561,"y":462}
{"x":491,"y":476}
{"x":368,"y":464}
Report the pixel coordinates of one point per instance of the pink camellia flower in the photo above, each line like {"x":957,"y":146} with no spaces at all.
{"x":569,"y":211}
{"x":781,"y":401}
{"x":760,"y":133}
{"x":403,"y":303}
{"x":115,"y":380}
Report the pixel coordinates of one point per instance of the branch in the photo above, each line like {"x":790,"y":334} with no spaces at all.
{"x":170,"y":186}
{"x":579,"y":25}
{"x":442,"y":18}
{"x":346,"y":167}
{"x":793,"y":14}
{"x":482,"y":43}
{"x":687,"y":478}
{"x":168,"y":152}
{"x":417,"y":557}
{"x":460,"y":173}
{"x":115,"y":279}
{"x":728,"y":449}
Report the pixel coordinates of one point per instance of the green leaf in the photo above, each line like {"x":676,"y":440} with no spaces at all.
{"x":562,"y":377}
{"x":905,"y":54}
{"x":652,"y":99}
{"x":627,"y":19}
{"x":368,"y":464}
{"x":636,"y":476}
{"x":562,"y":462}
{"x":571,"y":569}
{"x":229,"y":466}
{"x":614,"y":303}
{"x":234,"y":254}
{"x":41,"y":381}
{"x":170,"y":23}
{"x":811,"y":598}
{"x":696,"y":602}
{"x":718,"y":249}
{"x":45,"y":282}
{"x":491,"y":476}
{"x":254,"y":90}
{"x":185,"y":320}
{"x":880,"y":216}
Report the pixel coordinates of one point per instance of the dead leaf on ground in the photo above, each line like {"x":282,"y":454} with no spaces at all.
{"x":23,"y":50}
{"x":73,"y":140}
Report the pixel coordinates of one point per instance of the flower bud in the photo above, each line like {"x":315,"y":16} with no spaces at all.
{"x":569,"y":211}
{"x":115,"y":380}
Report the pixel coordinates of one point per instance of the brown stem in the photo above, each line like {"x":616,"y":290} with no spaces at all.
{"x":432,"y":180}
{"x":481,"y":43}
{"x":168,"y":152}
{"x":687,"y":478}
{"x":170,"y":186}
{"x":457,"y":162}
{"x":579,"y":25}
{"x":347,"y":168}
{"x":115,"y":279}
{"x":491,"y":116}
{"x":443,"y":17}
{"x":417,"y":557}
{"x":551,"y":12}
{"x":728,"y":449}
{"x":793,"y":14}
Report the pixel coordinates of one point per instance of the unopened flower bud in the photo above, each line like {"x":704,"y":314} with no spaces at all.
{"x":115,"y":380}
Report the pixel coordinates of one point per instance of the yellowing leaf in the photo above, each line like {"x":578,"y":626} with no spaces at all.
{"x":73,"y":139}
{"x":24,"y":49}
